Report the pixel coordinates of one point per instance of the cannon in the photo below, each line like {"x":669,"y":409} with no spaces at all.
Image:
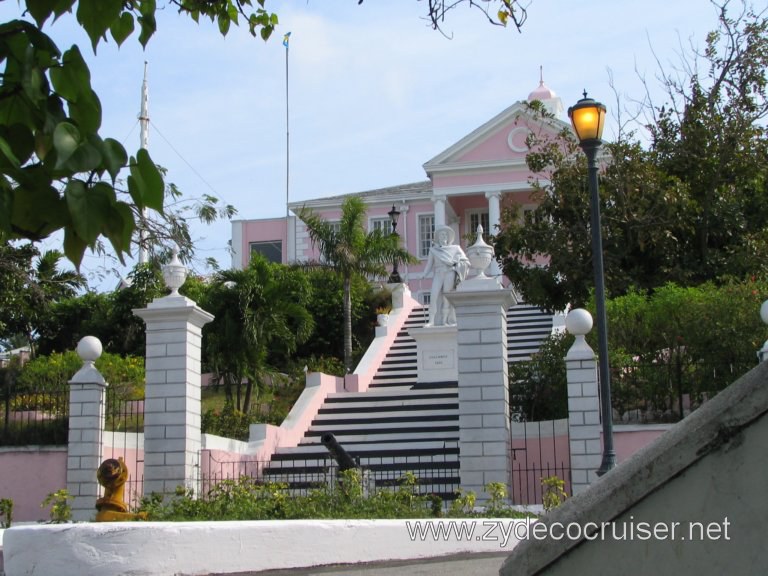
{"x":342,"y":457}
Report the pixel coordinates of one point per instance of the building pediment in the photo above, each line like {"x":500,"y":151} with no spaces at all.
{"x":500,"y":143}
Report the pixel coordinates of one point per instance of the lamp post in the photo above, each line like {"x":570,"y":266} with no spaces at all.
{"x":394,"y":214}
{"x":588,"y":118}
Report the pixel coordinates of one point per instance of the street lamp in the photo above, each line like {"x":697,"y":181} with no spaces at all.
{"x":394,"y":214}
{"x":588,"y":119}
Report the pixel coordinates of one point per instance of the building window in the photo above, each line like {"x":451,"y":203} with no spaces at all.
{"x":530,"y":215}
{"x":478,"y":217}
{"x":426,"y":234}
{"x":382,"y":224}
{"x":424,"y":298}
{"x":271,"y":250}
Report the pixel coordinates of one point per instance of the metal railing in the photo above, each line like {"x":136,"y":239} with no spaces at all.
{"x":434,"y":474}
{"x":34,"y":417}
{"x":668,"y":391}
{"x":539,"y":450}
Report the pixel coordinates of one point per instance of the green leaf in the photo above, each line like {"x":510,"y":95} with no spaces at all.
{"x":74,"y":247}
{"x":89,"y":207}
{"x":86,"y":158}
{"x":122,"y":27}
{"x":153,"y":187}
{"x":62,"y":6}
{"x":72,"y":78}
{"x":38,"y":211}
{"x":86,"y":112}
{"x":147,"y":20}
{"x":66,"y":139}
{"x":114,"y":157}
{"x":119,"y":227}
{"x":8,"y":157}
{"x":6,"y":206}
{"x":224,"y":22}
{"x":41,"y":10}
{"x":96,"y":17}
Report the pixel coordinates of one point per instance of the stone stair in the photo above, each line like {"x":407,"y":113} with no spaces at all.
{"x":398,"y":425}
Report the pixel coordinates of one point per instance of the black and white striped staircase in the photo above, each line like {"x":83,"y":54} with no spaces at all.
{"x":399,"y":425}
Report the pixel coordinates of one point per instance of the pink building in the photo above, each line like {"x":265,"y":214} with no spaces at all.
{"x":466,"y":186}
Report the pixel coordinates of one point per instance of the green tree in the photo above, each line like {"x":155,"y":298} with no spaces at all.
{"x":538,"y":388}
{"x":711,"y":135}
{"x":56,"y":171}
{"x":30,"y":284}
{"x":327,"y":308}
{"x":688,"y":208}
{"x":255,"y":310}
{"x":349,"y":251}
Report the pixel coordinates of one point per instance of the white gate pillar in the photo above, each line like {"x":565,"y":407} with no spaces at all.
{"x":172,"y":413}
{"x":484,"y":427}
{"x":86,"y":423}
{"x":583,"y":403}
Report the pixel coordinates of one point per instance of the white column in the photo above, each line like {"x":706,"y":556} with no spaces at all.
{"x":172,"y":438}
{"x":494,"y":211}
{"x":583,"y":403}
{"x":494,"y":218}
{"x":439,"y":204}
{"x":484,"y":428}
{"x":86,"y":423}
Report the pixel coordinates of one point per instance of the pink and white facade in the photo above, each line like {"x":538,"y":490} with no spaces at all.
{"x":467,"y":185}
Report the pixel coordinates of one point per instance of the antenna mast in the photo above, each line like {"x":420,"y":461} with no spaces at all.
{"x":144,"y":122}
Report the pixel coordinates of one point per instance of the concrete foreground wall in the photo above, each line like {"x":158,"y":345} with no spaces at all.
{"x":691,"y":503}
{"x":201,"y":548}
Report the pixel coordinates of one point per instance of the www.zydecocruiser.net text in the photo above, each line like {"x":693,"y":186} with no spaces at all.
{"x":506,"y":531}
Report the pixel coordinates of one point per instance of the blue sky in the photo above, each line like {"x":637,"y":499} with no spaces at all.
{"x":374,"y":92}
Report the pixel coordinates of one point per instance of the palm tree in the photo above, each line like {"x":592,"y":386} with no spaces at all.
{"x":347,"y":250}
{"x":256,"y":310}
{"x":30,"y":283}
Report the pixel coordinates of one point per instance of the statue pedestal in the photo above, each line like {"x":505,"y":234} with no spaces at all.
{"x":436,"y":353}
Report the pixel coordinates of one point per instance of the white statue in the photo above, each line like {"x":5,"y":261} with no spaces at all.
{"x":450,"y":266}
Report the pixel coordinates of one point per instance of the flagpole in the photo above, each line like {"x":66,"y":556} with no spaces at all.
{"x":286,"y":43}
{"x":144,"y":136}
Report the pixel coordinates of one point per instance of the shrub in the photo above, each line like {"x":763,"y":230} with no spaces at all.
{"x":6,"y":512}
{"x":61,"y":511}
{"x":51,"y":373}
{"x":554,"y":492}
{"x":350,"y":497}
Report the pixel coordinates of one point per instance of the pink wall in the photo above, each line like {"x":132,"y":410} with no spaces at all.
{"x":28,"y":475}
{"x":533,"y":456}
{"x":263,"y":231}
{"x":494,"y":146}
{"x":218,"y":465}
{"x":536,"y":458}
{"x":629,"y":439}
{"x":501,"y":177}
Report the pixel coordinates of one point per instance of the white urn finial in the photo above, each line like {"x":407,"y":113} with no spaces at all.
{"x":174,"y":273}
{"x":480,"y":254}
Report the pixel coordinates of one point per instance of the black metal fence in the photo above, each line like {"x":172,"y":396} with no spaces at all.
{"x":34,"y":417}
{"x":540,"y":450}
{"x":123,"y":437}
{"x":668,"y":391}
{"x":434,"y":473}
